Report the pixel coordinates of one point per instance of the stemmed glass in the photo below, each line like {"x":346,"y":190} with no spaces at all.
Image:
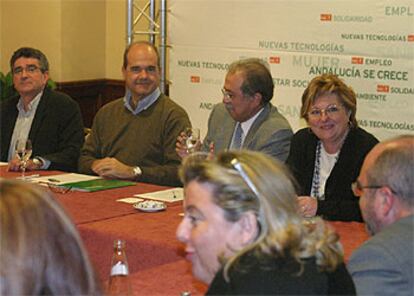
{"x":193,"y":137}
{"x":23,"y":150}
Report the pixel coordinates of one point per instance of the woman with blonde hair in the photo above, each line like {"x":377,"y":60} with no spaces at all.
{"x":243,"y":234}
{"x":325,"y":158}
{"x":41,"y":252}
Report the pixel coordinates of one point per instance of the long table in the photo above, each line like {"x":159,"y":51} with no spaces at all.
{"x":156,"y":259}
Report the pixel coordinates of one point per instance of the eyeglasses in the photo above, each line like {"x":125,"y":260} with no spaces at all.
{"x":358,"y":189}
{"x":31,"y":69}
{"x":55,"y":188}
{"x":331,"y":111}
{"x":238,"y":167}
{"x":226,"y":94}
{"x":59,"y":188}
{"x":234,"y":162}
{"x":139,"y":69}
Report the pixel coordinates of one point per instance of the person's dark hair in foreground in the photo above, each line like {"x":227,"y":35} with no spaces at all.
{"x":244,"y":235}
{"x":41,"y":252}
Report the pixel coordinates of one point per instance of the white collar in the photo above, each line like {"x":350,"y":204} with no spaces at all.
{"x":246,"y":125}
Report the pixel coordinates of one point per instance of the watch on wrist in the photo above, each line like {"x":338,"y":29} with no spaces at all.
{"x":137,"y":171}
{"x":37,"y":162}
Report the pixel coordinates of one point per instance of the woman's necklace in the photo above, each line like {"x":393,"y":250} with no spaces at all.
{"x":317,"y":169}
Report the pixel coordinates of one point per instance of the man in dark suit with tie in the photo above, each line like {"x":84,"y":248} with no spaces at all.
{"x":246,"y":119}
{"x":51,"y":120}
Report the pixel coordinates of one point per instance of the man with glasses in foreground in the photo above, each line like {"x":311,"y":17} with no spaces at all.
{"x":134,"y":137}
{"x":51,"y":120}
{"x":246,"y":118}
{"x":384,"y":264}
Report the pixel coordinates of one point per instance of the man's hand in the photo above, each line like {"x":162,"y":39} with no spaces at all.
{"x":181,"y":146}
{"x":112,"y":168}
{"x":211,"y":149}
{"x":14,"y":164}
{"x":31,"y":166}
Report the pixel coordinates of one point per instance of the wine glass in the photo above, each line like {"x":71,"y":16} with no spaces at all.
{"x":193,"y":137}
{"x":23,"y":150}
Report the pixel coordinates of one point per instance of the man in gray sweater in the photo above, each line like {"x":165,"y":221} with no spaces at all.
{"x":134,"y":137}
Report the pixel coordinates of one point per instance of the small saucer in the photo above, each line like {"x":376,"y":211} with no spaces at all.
{"x":150,"y":206}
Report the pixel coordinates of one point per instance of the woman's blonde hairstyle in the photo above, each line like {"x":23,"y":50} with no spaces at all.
{"x":41,"y":252}
{"x":329,"y":84}
{"x":282,"y":230}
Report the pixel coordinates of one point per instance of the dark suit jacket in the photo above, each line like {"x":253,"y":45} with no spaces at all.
{"x":339,"y":203}
{"x":270,"y":133}
{"x":56,"y":132}
{"x":280,"y":276}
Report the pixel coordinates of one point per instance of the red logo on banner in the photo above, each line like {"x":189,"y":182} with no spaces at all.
{"x":195,"y":79}
{"x":326,"y":17}
{"x":274,"y":60}
{"x":383,"y":88}
{"x":357,"y":60}
{"x":410,"y":38}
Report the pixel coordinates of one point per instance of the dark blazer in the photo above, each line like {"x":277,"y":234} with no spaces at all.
{"x":56,"y":132}
{"x":339,"y":203}
{"x":281,"y":276}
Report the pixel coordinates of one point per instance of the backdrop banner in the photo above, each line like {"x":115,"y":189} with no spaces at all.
{"x":369,"y":44}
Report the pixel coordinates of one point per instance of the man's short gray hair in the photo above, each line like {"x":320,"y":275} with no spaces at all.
{"x":257,"y":77}
{"x":394,"y":168}
{"x":28,"y":52}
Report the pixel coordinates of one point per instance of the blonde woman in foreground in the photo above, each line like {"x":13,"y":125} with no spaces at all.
{"x":41,"y":252}
{"x":243,"y":234}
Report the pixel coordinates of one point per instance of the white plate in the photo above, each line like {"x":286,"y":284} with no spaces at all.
{"x":150,"y":206}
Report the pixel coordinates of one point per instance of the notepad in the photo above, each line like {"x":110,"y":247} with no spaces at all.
{"x":97,"y":185}
{"x":60,"y":179}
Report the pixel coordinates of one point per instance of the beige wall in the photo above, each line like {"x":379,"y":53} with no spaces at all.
{"x":1,"y":34}
{"x":40,"y":28}
{"x":115,"y":37}
{"x":83,"y":39}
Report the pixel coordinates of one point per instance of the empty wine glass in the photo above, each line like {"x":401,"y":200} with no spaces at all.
{"x":23,"y":151}
{"x":193,"y":137}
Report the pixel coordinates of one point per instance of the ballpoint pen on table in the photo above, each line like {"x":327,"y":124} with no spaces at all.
{"x":53,"y":180}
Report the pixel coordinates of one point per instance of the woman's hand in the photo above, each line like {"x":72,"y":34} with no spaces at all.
{"x":308,"y":206}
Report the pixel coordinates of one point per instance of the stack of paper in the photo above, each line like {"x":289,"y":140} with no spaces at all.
{"x":169,"y":195}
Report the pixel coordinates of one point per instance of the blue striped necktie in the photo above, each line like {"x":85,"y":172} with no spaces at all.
{"x":238,"y":136}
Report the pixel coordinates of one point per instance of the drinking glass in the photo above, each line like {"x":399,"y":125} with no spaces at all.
{"x":193,"y":137}
{"x":23,"y":151}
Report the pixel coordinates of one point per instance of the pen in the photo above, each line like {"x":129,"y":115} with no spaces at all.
{"x":53,"y":180}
